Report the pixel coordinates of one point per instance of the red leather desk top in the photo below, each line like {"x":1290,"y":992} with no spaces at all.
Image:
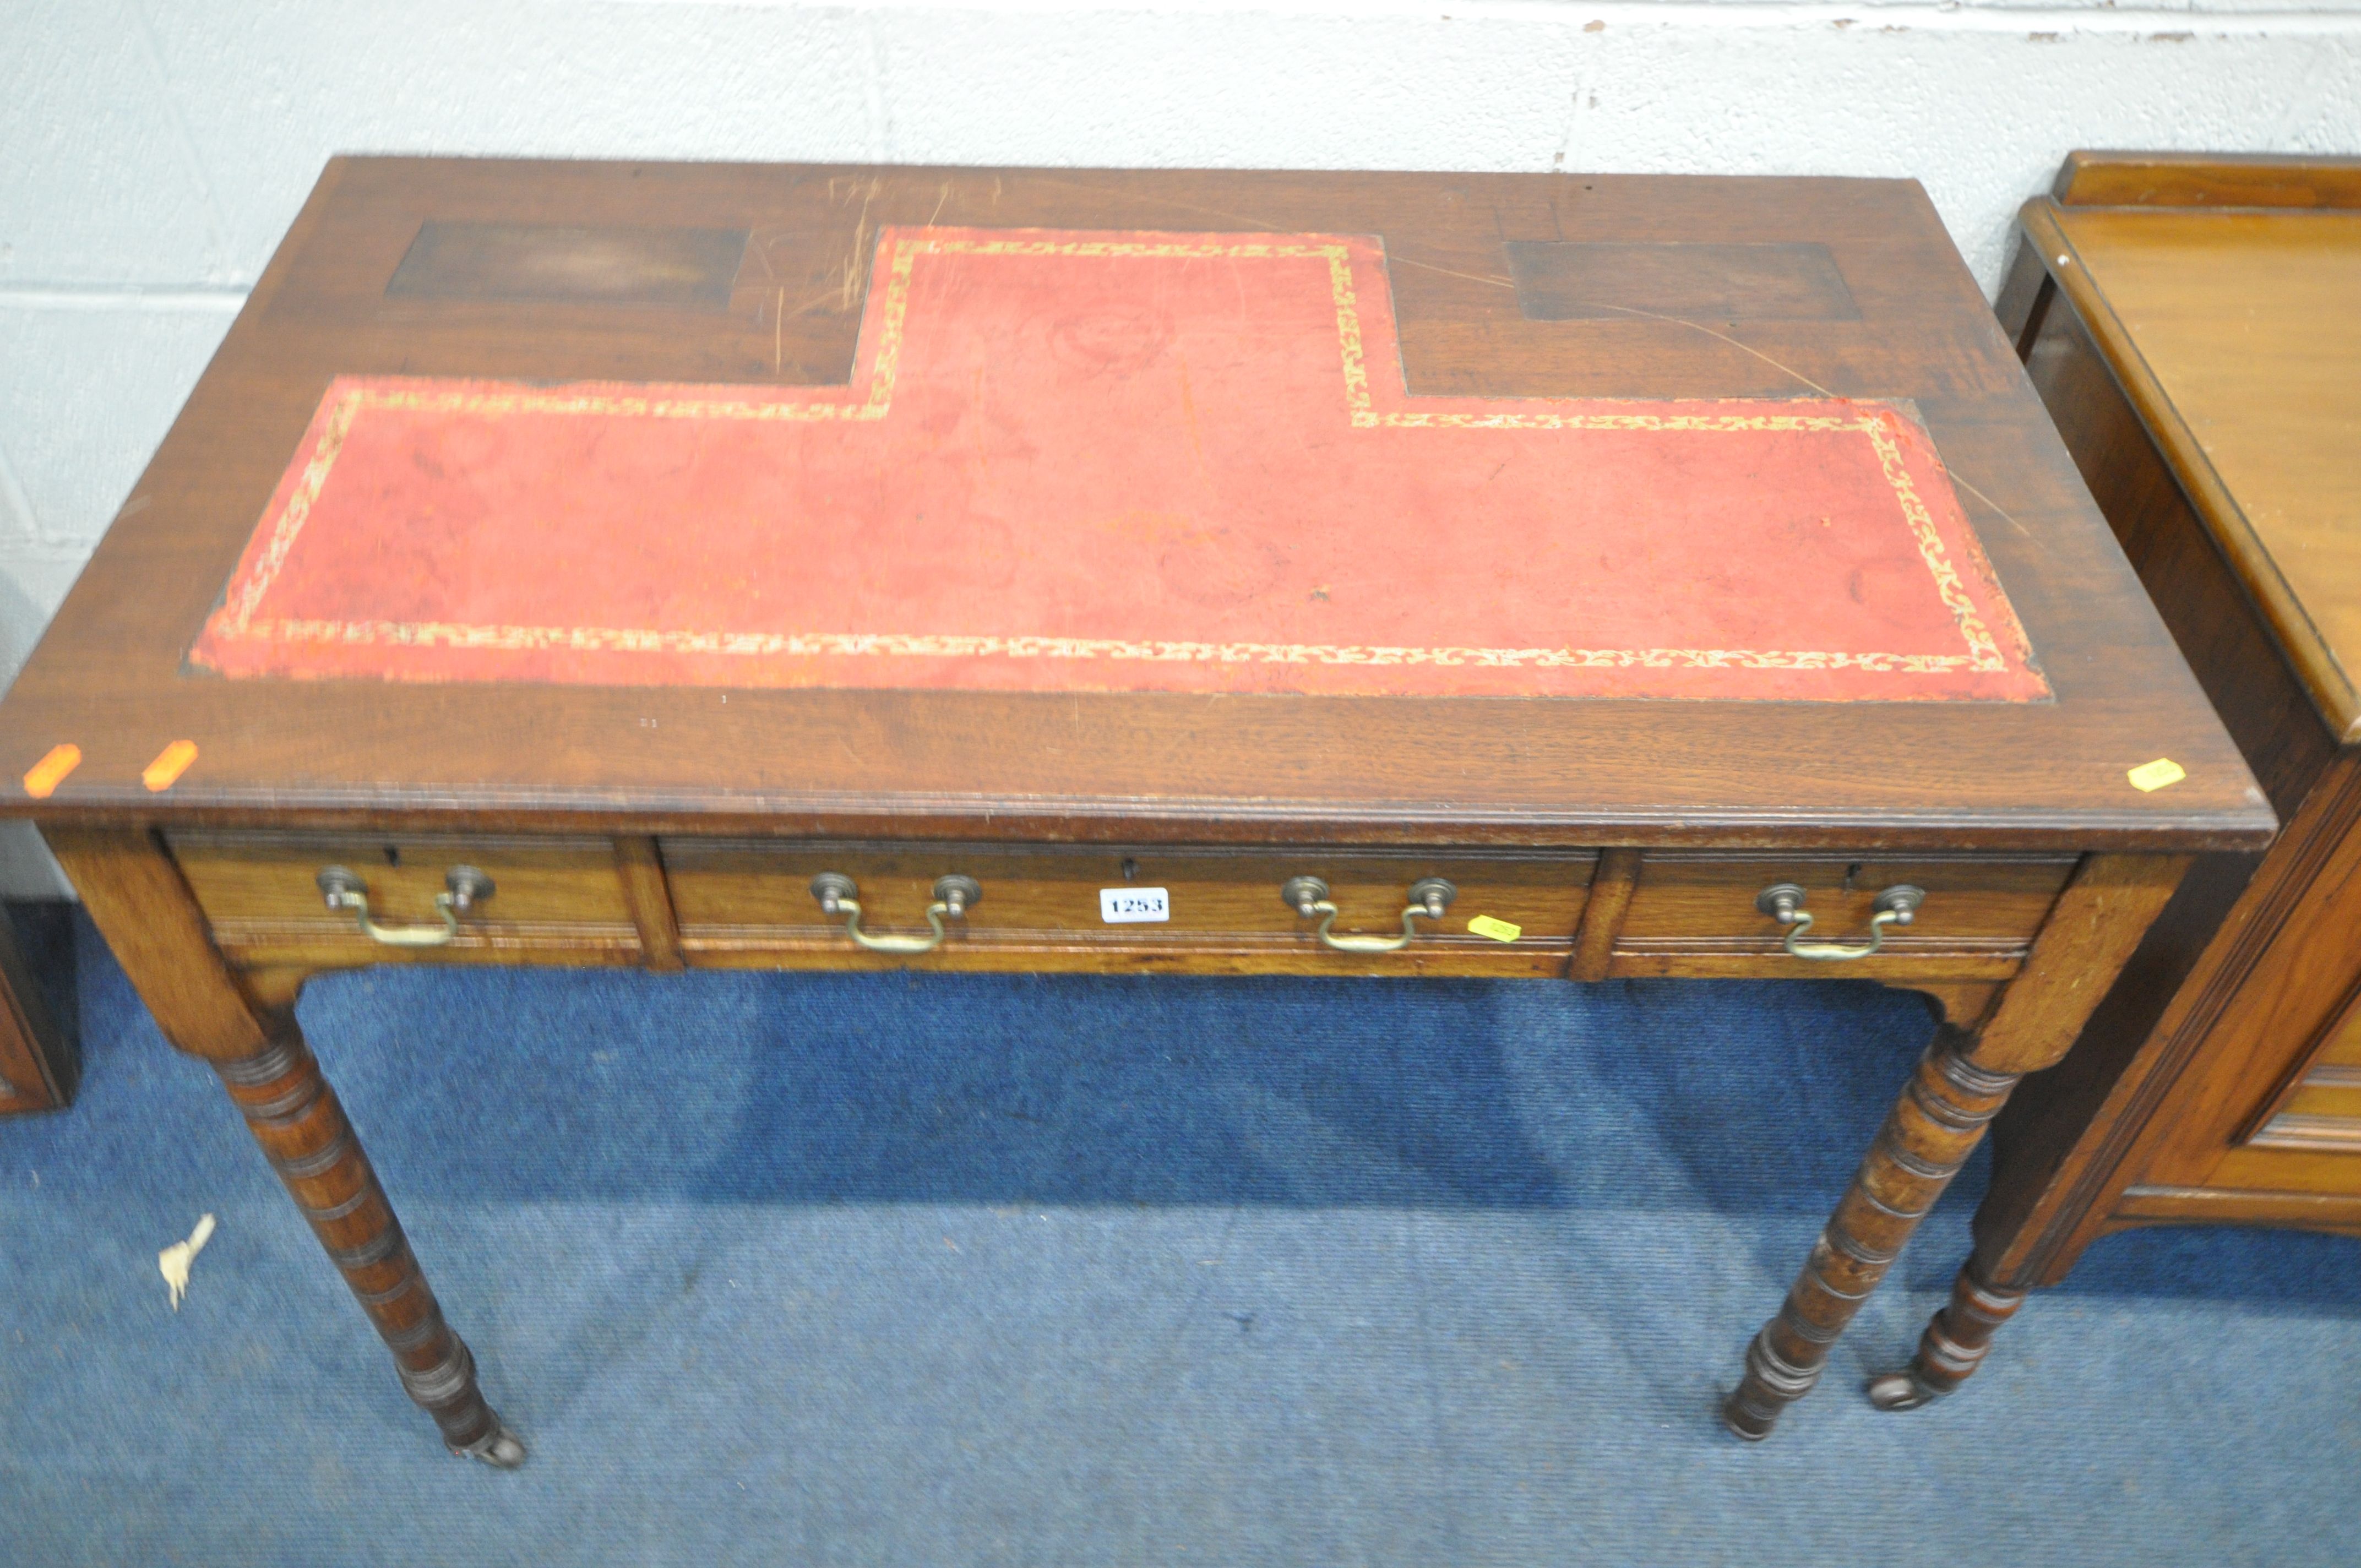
{"x":1120,"y":462}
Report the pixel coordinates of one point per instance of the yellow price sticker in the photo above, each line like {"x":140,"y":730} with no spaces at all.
{"x":1498,"y":930}
{"x":2157,"y":774}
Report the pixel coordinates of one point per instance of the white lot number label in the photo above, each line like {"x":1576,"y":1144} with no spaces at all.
{"x":1134,"y":905}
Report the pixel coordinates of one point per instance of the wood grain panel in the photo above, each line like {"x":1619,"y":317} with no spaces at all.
{"x":2286,"y":1003}
{"x":2339,"y":1050}
{"x":2213,"y":620}
{"x":740,"y":900}
{"x":2245,"y":321}
{"x":2187,"y":1205}
{"x":2306,"y":1158}
{"x":641,"y":867}
{"x":1603,"y":281}
{"x":2321,"y":1108}
{"x":2093,"y":929}
{"x":2284,"y":433}
{"x":613,"y":264}
{"x":2207,"y":179}
{"x":1912,"y":970}
{"x":2314,"y":1118}
{"x":140,"y":902}
{"x":1602,"y":914}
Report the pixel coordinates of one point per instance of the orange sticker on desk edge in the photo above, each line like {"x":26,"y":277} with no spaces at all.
{"x":48,"y":772}
{"x":2151,"y":776}
{"x":170,"y":764}
{"x":1498,"y":930}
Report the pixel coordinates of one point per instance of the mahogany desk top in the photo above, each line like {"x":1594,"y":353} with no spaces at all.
{"x":1891,"y":314}
{"x":565,"y":563}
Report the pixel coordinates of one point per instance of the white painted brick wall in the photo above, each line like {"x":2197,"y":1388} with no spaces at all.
{"x":151,"y":154}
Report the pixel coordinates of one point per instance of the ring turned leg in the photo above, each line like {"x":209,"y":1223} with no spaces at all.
{"x":243,"y":1025}
{"x":2090,"y":932}
{"x":1929,"y":1135}
{"x":295,"y":1116}
{"x":1953,"y":1345}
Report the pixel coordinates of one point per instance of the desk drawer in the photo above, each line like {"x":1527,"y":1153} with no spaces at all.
{"x":751,"y":902}
{"x":260,"y":890}
{"x":1694,"y":913}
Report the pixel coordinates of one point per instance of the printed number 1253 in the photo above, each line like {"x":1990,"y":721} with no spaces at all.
{"x":1129,"y":905}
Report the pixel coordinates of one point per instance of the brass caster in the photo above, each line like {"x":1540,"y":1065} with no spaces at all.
{"x":1900,"y":1391}
{"x":1744,"y":1423}
{"x":501,"y":1448}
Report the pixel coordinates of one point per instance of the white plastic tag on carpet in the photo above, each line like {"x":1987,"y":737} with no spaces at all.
{"x":174,"y":1260}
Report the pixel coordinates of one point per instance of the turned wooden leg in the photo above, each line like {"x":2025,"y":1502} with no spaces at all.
{"x":1959,"y":1085}
{"x":244,"y":1027}
{"x":1953,"y":1345}
{"x":296,"y":1118}
{"x":1927,"y":1137}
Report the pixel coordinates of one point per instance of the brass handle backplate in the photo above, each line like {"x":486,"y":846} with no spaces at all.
{"x":463,"y":888}
{"x":1784,"y":902}
{"x":1308,"y":897}
{"x":954,"y":896}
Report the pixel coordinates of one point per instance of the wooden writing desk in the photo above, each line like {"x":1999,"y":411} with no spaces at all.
{"x":2193,"y":322}
{"x":1385,"y":575}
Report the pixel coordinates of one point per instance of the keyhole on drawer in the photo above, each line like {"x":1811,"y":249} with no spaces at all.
{"x":392,"y":855}
{"x":1130,"y":868}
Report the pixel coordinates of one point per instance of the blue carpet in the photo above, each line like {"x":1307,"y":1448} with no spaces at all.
{"x":915,"y":1270}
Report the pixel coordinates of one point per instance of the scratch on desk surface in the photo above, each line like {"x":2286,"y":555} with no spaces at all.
{"x":1993,"y":504}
